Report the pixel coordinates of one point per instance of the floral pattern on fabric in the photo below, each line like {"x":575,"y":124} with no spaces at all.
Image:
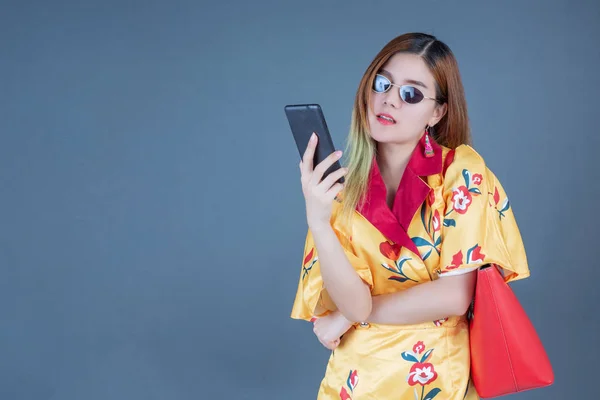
{"x":474,"y":255}
{"x":432,"y":224}
{"x":351,"y":383}
{"x":392,"y":252}
{"x":462,"y":196}
{"x":422,"y":373}
{"x":307,"y":259}
{"x":500,"y":208}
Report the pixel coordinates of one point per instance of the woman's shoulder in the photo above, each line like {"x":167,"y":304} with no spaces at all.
{"x":466,"y":156}
{"x":463,"y":161}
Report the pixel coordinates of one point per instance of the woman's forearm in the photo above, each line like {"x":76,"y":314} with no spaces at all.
{"x":349,"y":292}
{"x":430,"y":301}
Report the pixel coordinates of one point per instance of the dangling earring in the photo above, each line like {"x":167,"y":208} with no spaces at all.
{"x":428,"y":148}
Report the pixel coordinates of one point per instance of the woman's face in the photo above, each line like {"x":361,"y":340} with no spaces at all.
{"x":391,"y":120}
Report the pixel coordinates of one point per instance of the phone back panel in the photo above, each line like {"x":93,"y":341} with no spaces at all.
{"x":304,"y":119}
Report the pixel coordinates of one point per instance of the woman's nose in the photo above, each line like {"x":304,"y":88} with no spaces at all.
{"x":393,"y":99}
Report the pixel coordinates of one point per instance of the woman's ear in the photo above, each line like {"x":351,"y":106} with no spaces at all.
{"x":438,"y":114}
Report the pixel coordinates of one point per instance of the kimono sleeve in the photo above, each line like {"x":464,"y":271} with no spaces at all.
{"x":479,"y":226}
{"x":312,"y":298}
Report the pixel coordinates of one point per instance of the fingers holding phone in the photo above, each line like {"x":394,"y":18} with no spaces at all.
{"x":306,"y":163}
{"x":319,"y":193}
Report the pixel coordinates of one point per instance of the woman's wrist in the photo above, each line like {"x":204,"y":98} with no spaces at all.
{"x":352,"y":323}
{"x":317,"y":227}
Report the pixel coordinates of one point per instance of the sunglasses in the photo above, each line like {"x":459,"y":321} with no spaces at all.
{"x":408,"y":93}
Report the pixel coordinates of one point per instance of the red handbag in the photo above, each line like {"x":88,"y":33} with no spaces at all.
{"x":507,"y":355}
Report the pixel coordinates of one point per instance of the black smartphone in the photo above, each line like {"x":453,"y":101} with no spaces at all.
{"x":305,"y":119}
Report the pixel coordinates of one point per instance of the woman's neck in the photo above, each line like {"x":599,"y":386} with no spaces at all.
{"x":392,"y":160}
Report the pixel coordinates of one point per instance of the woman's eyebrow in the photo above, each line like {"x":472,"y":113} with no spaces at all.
{"x":418,"y":83}
{"x":414,"y":82}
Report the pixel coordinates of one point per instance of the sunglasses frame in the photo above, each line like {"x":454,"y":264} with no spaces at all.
{"x":400,"y":88}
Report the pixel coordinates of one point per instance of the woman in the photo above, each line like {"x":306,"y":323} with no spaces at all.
{"x":389,"y":260}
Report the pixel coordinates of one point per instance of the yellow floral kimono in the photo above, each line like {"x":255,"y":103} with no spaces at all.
{"x":450,"y":216}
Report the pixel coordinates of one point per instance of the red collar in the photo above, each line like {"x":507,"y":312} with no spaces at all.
{"x":411,"y":193}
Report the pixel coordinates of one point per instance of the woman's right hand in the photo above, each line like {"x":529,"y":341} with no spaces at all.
{"x":319,"y":195}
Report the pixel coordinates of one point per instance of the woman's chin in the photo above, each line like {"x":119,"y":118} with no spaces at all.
{"x":383,"y":135}
{"x":389,"y":137}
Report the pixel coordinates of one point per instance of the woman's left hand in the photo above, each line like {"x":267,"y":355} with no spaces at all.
{"x":330,"y":327}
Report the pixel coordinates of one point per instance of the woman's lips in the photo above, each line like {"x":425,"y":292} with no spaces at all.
{"x":386,"y":119}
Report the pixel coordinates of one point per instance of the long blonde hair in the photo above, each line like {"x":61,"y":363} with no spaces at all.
{"x":451,"y":131}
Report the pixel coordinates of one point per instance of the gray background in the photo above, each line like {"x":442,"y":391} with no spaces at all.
{"x":152,"y":222}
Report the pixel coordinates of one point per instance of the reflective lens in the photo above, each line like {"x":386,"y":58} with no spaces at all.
{"x":408,"y":93}
{"x":381,"y":84}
